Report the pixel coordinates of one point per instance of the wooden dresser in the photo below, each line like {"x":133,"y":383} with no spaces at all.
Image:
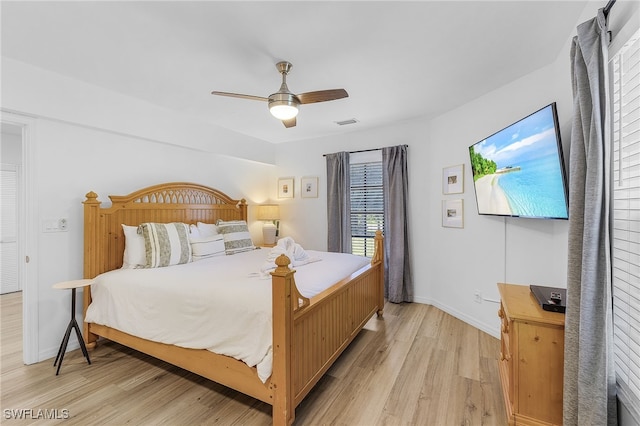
{"x":531,"y":359}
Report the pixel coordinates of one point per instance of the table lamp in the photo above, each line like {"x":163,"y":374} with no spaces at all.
{"x":270,"y":215}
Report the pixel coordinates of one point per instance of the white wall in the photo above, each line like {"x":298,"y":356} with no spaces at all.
{"x":73,"y":160}
{"x":489,"y":249}
{"x":305,"y":219}
{"x":42,"y":93}
{"x":449,"y":265}
{"x":86,"y":138}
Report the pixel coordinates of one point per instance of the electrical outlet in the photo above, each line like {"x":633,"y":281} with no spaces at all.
{"x":55,"y":225}
{"x":478,"y":296}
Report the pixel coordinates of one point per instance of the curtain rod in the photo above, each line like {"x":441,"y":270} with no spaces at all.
{"x":608,"y":7}
{"x":364,"y":150}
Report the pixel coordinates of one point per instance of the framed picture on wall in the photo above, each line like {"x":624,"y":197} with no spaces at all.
{"x":453,"y":179}
{"x":453,"y":213}
{"x":285,"y":187}
{"x":309,"y":187}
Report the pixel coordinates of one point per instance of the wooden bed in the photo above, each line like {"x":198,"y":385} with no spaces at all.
{"x":308,"y":334}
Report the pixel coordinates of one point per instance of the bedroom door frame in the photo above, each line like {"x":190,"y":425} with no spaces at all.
{"x":27,"y":237}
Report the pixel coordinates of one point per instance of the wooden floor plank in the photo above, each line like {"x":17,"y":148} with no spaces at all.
{"x":467,"y":353}
{"x":415,"y":366}
{"x":404,"y":396}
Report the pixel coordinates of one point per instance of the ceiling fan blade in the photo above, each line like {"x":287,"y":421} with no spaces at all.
{"x":322,"y":96}
{"x":237,"y":95}
{"x":289,"y":123}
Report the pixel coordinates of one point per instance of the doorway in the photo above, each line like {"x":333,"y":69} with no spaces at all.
{"x":18,"y":231}
{"x":10,"y":176}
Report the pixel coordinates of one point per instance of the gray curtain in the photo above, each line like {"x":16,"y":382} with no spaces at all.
{"x":589,"y":376}
{"x":398,"y":281}
{"x":338,"y":203}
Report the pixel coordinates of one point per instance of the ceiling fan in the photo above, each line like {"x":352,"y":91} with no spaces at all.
{"x":283,"y":104}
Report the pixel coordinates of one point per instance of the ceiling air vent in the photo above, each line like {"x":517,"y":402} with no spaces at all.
{"x":345,"y":122}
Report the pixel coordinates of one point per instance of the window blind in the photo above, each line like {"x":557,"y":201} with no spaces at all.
{"x":367,"y":210}
{"x":625,"y":111}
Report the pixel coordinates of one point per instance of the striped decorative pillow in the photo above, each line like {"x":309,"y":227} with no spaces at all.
{"x":236,"y":236}
{"x":166,"y":244}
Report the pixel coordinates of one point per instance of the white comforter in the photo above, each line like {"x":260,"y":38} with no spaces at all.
{"x":222,"y":304}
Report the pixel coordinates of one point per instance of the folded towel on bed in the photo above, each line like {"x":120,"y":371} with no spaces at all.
{"x":292,"y":250}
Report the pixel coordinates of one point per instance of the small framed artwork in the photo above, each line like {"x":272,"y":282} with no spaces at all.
{"x":309,"y":187}
{"x":285,"y":187}
{"x":453,"y":213}
{"x":453,"y":179}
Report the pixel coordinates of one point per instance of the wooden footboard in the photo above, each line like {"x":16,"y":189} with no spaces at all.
{"x":308,"y":334}
{"x":309,"y":337}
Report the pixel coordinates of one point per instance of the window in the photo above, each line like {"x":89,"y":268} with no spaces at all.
{"x":367,"y":211}
{"x":624,"y":73}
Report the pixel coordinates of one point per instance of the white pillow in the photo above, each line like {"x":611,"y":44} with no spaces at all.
{"x":203,"y":248}
{"x":194,"y":232}
{"x":166,"y":244}
{"x":207,"y":229}
{"x":236,"y":236}
{"x":134,"y":252}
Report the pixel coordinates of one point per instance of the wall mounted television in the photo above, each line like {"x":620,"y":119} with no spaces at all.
{"x":519,"y":171}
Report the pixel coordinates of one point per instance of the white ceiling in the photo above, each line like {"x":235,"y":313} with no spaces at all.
{"x":397,"y":60}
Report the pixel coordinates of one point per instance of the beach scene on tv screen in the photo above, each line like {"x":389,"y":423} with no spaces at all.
{"x":517,"y":171}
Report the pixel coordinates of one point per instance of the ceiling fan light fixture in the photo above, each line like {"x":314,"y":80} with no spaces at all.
{"x":283,"y":111}
{"x":283,"y":106}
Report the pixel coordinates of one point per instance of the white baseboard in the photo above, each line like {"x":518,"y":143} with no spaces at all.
{"x":487,"y":328}
{"x":50,"y":353}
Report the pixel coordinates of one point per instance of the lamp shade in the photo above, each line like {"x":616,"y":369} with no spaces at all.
{"x":268,"y":212}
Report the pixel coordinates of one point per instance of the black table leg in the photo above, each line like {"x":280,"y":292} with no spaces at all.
{"x":81,"y":340}
{"x":73,"y":324}
{"x":63,"y":347}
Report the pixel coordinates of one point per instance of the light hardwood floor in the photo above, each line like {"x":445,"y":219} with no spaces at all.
{"x":415,"y":366}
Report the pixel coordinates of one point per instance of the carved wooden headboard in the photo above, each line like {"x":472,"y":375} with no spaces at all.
{"x":164,"y":203}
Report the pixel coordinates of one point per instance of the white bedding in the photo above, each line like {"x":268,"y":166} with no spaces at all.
{"x":222,"y":304}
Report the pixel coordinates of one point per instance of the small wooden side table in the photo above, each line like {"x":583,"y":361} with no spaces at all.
{"x":73,"y":324}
